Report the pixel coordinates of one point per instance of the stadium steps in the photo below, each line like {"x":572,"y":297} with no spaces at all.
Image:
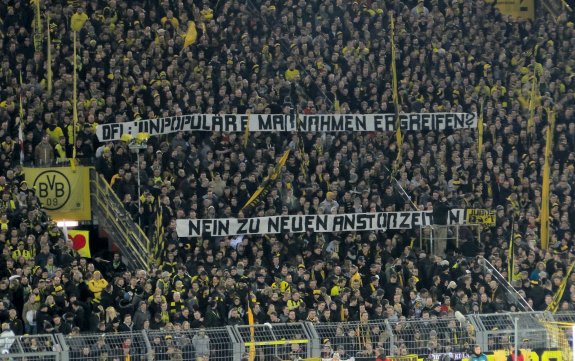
{"x":124,"y":233}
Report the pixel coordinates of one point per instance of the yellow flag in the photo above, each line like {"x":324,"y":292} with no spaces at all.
{"x":78,"y":21}
{"x":80,"y":242}
{"x":158,"y":248}
{"x":21,"y":112}
{"x":544,"y":216}
{"x":531,"y":120}
{"x":252,"y":352}
{"x":398,"y":135}
{"x":37,"y":24}
{"x":246,"y":134}
{"x":559,"y":294}
{"x":74,"y":98}
{"x":480,"y":133}
{"x":268,"y":182}
{"x":49,"y":55}
{"x":191,"y":35}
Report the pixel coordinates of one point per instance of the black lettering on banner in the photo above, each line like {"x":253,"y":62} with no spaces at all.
{"x":428,"y":219}
{"x":207,"y":225}
{"x":337,"y":223}
{"x":309,"y":223}
{"x":176,"y":123}
{"x":117,"y":130}
{"x":254,"y":225}
{"x":448,"y":120}
{"x":244,"y":121}
{"x":195,"y":229}
{"x":377,"y":123}
{"x":273,"y":225}
{"x":310,"y":123}
{"x":349,"y":222}
{"x":470,"y":120}
{"x":360,"y":123}
{"x":243,"y":226}
{"x":230,"y":124}
{"x":425,"y":120}
{"x":454,"y":216}
{"x":321,"y":223}
{"x":363,"y":222}
{"x":382,"y":220}
{"x":404,"y":121}
{"x":296,"y":224}
{"x":217,"y":123}
{"x":278,"y":122}
{"x":281,"y":122}
{"x":284,"y":224}
{"x":186,"y":122}
{"x":404,"y":220}
{"x":167,"y":123}
{"x":389,"y":122}
{"x":458,"y":120}
{"x":392,"y":220}
{"x":438,"y":121}
{"x":106,"y":131}
{"x":144,"y":126}
{"x":337,"y":123}
{"x":349,"y":123}
{"x":290,"y":122}
{"x":416,"y":219}
{"x":414,"y":122}
{"x":223,"y":227}
{"x":155,"y":126}
{"x":265,"y":122}
{"x":196,"y":122}
{"x":324,"y":124}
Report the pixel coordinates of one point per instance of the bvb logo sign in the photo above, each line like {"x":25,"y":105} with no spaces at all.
{"x":53,"y":189}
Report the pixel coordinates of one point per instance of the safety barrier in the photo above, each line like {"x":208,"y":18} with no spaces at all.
{"x":496,"y":331}
{"x":402,"y":340}
{"x":110,"y":212}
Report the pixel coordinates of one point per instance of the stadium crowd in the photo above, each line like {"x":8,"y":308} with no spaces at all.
{"x":275,"y":57}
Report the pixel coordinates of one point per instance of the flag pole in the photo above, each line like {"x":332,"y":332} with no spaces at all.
{"x":49,"y":56}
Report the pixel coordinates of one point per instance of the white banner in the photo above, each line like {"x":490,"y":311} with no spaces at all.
{"x":302,"y":223}
{"x":350,"y":222}
{"x":287,"y":123}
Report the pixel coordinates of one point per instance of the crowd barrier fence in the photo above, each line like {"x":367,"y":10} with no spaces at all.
{"x":300,"y":340}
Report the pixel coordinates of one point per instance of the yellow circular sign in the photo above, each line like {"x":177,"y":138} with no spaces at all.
{"x":53,"y":189}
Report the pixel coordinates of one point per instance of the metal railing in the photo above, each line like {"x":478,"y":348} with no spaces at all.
{"x":300,"y":340}
{"x":497,"y":331}
{"x":127,"y":235}
{"x":435,"y":239}
{"x":512,"y":297}
{"x":283,"y":341}
{"x":96,"y":347}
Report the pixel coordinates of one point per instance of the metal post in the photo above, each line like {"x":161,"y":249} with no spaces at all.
{"x":275,"y":338}
{"x":391,"y":337}
{"x":315,"y":349}
{"x":516,"y":340}
{"x":135,"y":148}
{"x":148,"y":345}
{"x":139,"y":187}
{"x":573,"y":337}
{"x":431,"y":249}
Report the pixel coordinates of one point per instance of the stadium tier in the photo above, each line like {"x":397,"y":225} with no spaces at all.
{"x":287,"y":180}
